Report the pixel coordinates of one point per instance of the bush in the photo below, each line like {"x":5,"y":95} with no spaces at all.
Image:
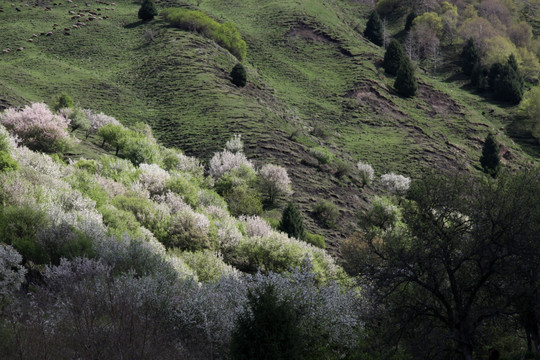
{"x":119,"y":222}
{"x":207,"y":266}
{"x":184,"y":188}
{"x":322,"y":154}
{"x":315,"y":240}
{"x":147,"y":10}
{"x":405,"y":82}
{"x":374,"y":31}
{"x":393,"y":57}
{"x":140,"y":150}
{"x":79,"y":120}
{"x":366,"y":173}
{"x":225,"y":35}
{"x":243,"y":200}
{"x":7,"y":163}
{"x":268,"y":329}
{"x":327,"y":212}
{"x":238,"y":75}
{"x":274,"y":182}
{"x":226,"y":161}
{"x":38,"y":128}
{"x":188,"y":230}
{"x":62,"y":102}
{"x":395,"y":184}
{"x":292,"y":223}
{"x":113,"y":135}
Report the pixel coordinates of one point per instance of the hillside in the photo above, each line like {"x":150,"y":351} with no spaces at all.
{"x":311,"y":74}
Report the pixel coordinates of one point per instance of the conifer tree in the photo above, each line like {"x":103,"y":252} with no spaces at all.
{"x":470,"y":57}
{"x":409,"y":21}
{"x":147,"y":10}
{"x":292,"y":223}
{"x":479,"y":77}
{"x":239,"y":76}
{"x":405,"y":82}
{"x":393,"y":57}
{"x":506,"y":81}
{"x":267,"y":330}
{"x":490,"y":160}
{"x":374,"y":29}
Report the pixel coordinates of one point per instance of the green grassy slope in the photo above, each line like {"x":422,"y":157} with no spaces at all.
{"x":308,"y":66}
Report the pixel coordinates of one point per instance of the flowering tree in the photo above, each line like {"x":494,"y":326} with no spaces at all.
{"x":11,"y":272}
{"x":37,"y":126}
{"x":274,"y":182}
{"x":225,"y":161}
{"x":98,"y":121}
{"x":395,"y":184}
{"x":235,"y":144}
{"x":366,"y":173}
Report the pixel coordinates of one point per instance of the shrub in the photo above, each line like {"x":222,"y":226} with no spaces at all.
{"x":267,"y":329}
{"x":327,"y":212}
{"x":322,"y":154}
{"x":207,"y":265}
{"x":235,"y":144}
{"x":147,"y":10}
{"x":11,"y":272}
{"x":7,"y":163}
{"x":238,"y":75}
{"x":243,"y":200}
{"x":38,"y":128}
{"x":315,"y":240}
{"x":153,"y":178}
{"x":119,"y":222}
{"x":225,"y":35}
{"x":395,"y":184}
{"x":366,"y":173}
{"x":97,"y":121}
{"x":405,"y":82}
{"x":188,"y":230}
{"x":393,"y":56}
{"x":490,"y":160}
{"x":374,"y":29}
{"x":184,"y":188}
{"x":274,"y":182}
{"x":78,"y":120}
{"x":292,"y":223}
{"x":255,"y":226}
{"x":140,"y":150}
{"x":63,"y":101}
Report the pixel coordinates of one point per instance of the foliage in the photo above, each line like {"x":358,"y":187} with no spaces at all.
{"x":406,"y":83}
{"x":274,"y":182}
{"x":97,"y":121}
{"x":409,"y":21}
{"x":530,"y":107}
{"x":291,"y":223}
{"x":225,"y":161}
{"x":208,"y":266}
{"x":327,"y":212}
{"x":235,"y":144}
{"x":186,"y":189}
{"x":238,"y":75}
{"x":490,"y":160}
{"x":38,"y":127}
{"x":373,"y":31}
{"x":188,"y":230}
{"x":322,"y":154}
{"x":114,"y":135}
{"x":7,"y":163}
{"x":243,"y":200}
{"x":470,"y":57}
{"x":139,"y":149}
{"x":267,"y":329}
{"x":506,"y":81}
{"x":366,"y":173}
{"x":63,"y":101}
{"x":11,"y":272}
{"x":393,"y":57}
{"x":315,"y":240}
{"x":395,"y":184}
{"x":147,"y":10}
{"x":225,"y":35}
{"x":255,"y":226}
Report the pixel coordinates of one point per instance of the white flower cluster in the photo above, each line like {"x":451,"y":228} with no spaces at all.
{"x":366,"y":172}
{"x":255,"y":226}
{"x":235,"y":144}
{"x":225,"y":161}
{"x":153,"y":178}
{"x":395,"y":184}
{"x":11,"y":271}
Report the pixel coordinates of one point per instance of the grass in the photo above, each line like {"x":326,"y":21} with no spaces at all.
{"x":308,"y":66}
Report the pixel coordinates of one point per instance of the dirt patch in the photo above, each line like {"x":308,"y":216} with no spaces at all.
{"x":370,"y":95}
{"x":439,"y":103}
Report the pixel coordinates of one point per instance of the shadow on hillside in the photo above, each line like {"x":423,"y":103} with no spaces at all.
{"x":134,"y":25}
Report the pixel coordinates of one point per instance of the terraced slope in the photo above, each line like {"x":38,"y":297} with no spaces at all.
{"x":310,"y":73}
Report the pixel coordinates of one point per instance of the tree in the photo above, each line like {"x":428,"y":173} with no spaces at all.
{"x":490,"y":160}
{"x":374,"y":29}
{"x":479,"y":77}
{"x":405,"y":82}
{"x":470,"y":57}
{"x":267,"y":329}
{"x":530,"y":107}
{"x":506,"y":81}
{"x":366,"y":173}
{"x":63,"y":101}
{"x":239,"y":76}
{"x":147,"y":10}
{"x":409,"y":21}
{"x":292,"y":223}
{"x":274,"y":182}
{"x":393,"y":57}
{"x":115,"y":135}
{"x":440,"y":271}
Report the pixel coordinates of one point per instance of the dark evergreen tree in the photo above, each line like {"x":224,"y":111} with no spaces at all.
{"x":393,"y":57}
{"x":239,"y":76}
{"x":506,"y":81}
{"x":479,"y":77}
{"x":374,"y":29}
{"x":405,"y":82}
{"x":268,"y":330}
{"x":470,"y":57}
{"x":409,"y":21}
{"x":495,"y":73}
{"x":292,"y":223}
{"x":147,"y":10}
{"x":490,"y":160}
